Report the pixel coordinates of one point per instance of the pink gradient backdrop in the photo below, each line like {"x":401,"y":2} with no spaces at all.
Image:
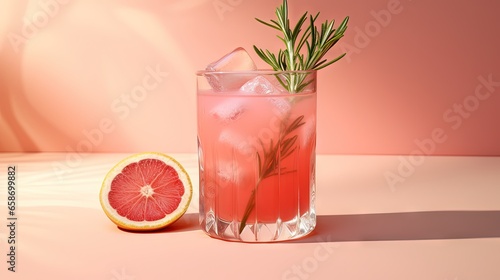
{"x":68,"y":67}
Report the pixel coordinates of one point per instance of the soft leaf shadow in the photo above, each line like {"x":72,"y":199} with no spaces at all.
{"x":405,"y":226}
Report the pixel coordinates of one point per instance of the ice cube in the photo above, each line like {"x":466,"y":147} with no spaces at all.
{"x":228,"y":111}
{"x":258,"y":85}
{"x":281,"y":106}
{"x":261,"y":85}
{"x":237,"y":60}
{"x":227,"y":172}
{"x":236,"y":142}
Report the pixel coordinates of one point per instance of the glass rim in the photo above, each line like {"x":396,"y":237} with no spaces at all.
{"x":255,"y":72}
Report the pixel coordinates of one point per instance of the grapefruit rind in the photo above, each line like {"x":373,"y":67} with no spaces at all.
{"x":125,"y":223}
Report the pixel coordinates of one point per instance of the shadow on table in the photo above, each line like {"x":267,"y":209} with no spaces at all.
{"x":405,"y":226}
{"x":187,"y":222}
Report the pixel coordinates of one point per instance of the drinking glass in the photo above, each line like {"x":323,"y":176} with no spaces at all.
{"x":256,"y":154}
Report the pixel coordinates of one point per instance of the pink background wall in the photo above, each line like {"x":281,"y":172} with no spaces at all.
{"x":420,"y":77}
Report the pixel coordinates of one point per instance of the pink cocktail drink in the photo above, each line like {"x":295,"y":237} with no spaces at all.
{"x":257,"y":158}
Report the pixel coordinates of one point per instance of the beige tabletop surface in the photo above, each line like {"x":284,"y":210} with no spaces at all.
{"x":379,"y":217}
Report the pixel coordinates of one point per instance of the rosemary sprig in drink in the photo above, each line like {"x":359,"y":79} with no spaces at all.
{"x":293,"y":58}
{"x":270,"y":160}
{"x":297,"y":63}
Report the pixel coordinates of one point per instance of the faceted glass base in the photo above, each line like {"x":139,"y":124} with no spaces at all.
{"x":260,"y":232}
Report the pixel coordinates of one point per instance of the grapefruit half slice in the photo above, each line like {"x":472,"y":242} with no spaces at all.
{"x":146,"y":191}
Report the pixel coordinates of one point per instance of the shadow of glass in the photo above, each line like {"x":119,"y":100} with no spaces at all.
{"x":188,"y":222}
{"x":405,"y":226}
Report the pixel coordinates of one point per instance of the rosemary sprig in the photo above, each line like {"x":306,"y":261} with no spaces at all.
{"x":317,"y":41}
{"x":270,"y":160}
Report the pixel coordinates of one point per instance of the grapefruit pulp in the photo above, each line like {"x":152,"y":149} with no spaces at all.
{"x":146,"y":191}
